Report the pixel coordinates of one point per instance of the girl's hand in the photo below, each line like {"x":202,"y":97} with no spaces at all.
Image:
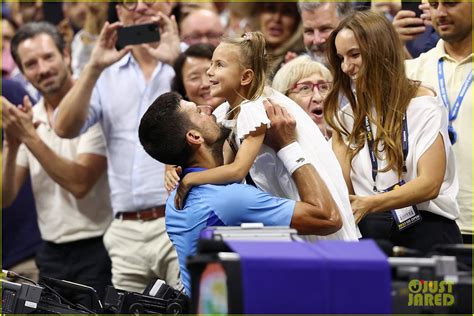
{"x":361,"y":206}
{"x":172,"y":178}
{"x":183,"y":189}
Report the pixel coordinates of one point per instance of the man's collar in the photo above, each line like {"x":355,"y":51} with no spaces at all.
{"x":125,"y":60}
{"x":192,"y":169}
{"x":441,"y":53}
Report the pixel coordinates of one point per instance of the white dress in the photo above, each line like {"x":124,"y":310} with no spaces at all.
{"x":269,"y":173}
{"x":426,"y":119}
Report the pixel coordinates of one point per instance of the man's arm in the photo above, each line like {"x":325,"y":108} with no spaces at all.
{"x":317,"y":213}
{"x":76,"y":176}
{"x":74,"y":107}
{"x":13,"y":175}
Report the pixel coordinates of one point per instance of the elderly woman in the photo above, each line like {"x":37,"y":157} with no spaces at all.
{"x":191,"y":80}
{"x":306,"y":82}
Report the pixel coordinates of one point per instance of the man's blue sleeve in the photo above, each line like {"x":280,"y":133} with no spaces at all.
{"x":239,"y":203}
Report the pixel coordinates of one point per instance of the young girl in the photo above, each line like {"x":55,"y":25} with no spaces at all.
{"x":237,"y":73}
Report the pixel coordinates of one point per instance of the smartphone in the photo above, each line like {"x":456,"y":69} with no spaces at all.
{"x":137,"y":34}
{"x":412,"y":6}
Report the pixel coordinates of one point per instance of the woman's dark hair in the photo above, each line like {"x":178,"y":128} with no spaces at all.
{"x":202,"y":50}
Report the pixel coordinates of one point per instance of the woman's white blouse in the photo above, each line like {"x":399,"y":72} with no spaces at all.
{"x":426,"y":119}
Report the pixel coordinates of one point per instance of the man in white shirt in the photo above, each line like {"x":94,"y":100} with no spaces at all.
{"x":448,"y":69}
{"x":115,"y":88}
{"x":68,"y":178}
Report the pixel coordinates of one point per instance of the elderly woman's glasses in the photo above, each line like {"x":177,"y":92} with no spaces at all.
{"x":307,"y":88}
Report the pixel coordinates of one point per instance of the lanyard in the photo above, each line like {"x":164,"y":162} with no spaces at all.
{"x":453,"y":111}
{"x":370,"y":142}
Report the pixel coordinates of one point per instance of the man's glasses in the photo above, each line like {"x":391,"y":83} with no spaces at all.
{"x":131,"y":5}
{"x":307,"y":88}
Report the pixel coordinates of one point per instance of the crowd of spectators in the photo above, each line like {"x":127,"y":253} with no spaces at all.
{"x":367,"y":74}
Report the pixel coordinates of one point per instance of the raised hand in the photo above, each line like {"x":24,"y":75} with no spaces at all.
{"x":169,"y":48}
{"x":407,"y":25}
{"x":104,"y":53}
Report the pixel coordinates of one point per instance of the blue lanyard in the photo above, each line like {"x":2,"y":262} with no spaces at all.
{"x":454,"y":110}
{"x":370,"y":142}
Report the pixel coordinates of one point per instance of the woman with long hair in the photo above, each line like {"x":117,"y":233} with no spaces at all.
{"x":391,"y":139}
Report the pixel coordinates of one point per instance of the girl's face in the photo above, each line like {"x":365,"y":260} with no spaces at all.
{"x":278,"y":22}
{"x":196,"y":82}
{"x":225,"y":72}
{"x":309,"y":94}
{"x":348,"y":52}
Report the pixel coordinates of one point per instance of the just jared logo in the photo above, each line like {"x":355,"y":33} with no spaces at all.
{"x":430,"y":293}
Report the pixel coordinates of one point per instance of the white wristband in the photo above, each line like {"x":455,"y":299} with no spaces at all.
{"x":292,"y":157}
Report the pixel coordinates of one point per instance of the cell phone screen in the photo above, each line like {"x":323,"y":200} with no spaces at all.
{"x":137,"y":34}
{"x":412,"y":6}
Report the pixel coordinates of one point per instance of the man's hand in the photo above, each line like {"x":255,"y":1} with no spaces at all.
{"x":283,"y":126}
{"x":169,"y":48}
{"x":407,"y":25}
{"x":426,"y":15}
{"x":9,"y":141}
{"x":104,"y":53}
{"x":17,"y":122}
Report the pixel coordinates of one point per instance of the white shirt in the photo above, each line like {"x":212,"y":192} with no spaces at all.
{"x":61,"y":217}
{"x":425,"y":69}
{"x":426,"y":119}
{"x":269,"y":173}
{"x":119,"y":99}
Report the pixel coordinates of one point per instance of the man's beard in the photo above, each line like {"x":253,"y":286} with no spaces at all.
{"x":317,"y":54}
{"x":217,"y":148}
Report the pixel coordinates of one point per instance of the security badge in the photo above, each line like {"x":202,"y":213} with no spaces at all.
{"x":407,"y":216}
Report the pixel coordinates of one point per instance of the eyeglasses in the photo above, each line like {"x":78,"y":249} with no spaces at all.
{"x":131,"y":5}
{"x":194,"y":38}
{"x":307,"y":88}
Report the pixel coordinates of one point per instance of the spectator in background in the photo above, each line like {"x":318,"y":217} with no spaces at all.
{"x":10,"y":70}
{"x":69,"y":182}
{"x":20,"y":232}
{"x":448,"y":69}
{"x":306,"y":82}
{"x":115,"y":88}
{"x":191,"y":80}
{"x":391,"y":139}
{"x":319,"y":20}
{"x":74,"y":14}
{"x":280,"y":24}
{"x":201,"y":26}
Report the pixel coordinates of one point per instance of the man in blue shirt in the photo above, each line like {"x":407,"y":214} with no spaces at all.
{"x":192,"y":139}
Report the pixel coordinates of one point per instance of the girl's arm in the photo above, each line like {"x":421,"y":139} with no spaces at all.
{"x":229,"y":155}
{"x":343,"y":157}
{"x":431,"y":168}
{"x":233,"y":172}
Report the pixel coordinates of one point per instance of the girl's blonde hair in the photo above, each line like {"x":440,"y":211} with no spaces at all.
{"x":252,"y":55}
{"x":297,"y":69}
{"x":381,"y":85}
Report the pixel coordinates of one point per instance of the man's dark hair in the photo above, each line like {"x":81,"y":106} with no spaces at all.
{"x":163,"y":129}
{"x":31,"y":30}
{"x":202,"y":50}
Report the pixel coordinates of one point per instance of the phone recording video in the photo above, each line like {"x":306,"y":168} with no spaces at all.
{"x":137,"y":34}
